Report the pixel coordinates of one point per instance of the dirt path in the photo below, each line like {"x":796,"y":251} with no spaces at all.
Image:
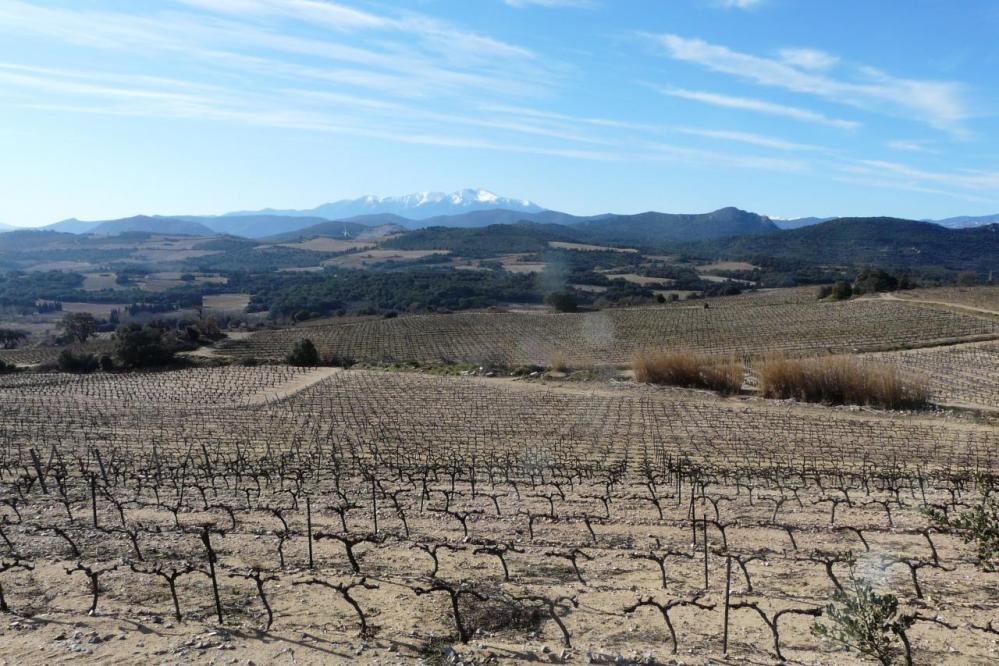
{"x":949,"y":304}
{"x":290,"y":388}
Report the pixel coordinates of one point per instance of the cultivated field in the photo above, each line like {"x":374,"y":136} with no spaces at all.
{"x":768,"y":323}
{"x":527,"y":502}
{"x":961,"y":375}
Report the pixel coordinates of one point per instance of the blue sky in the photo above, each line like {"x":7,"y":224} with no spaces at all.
{"x":788,"y":108}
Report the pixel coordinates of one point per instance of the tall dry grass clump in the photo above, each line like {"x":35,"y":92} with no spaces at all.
{"x":839,"y":380}
{"x":690,"y":370}
{"x":558,"y":362}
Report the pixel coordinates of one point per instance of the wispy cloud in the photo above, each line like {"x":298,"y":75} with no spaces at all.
{"x":574,"y":4}
{"x":909,"y":146}
{"x":808,"y":58}
{"x":738,"y":4}
{"x":938,"y":103}
{"x":751,"y":138}
{"x":757,"y":105}
{"x":441,"y":60}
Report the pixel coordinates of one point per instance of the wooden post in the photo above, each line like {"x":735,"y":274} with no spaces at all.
{"x":93,"y":499}
{"x":728,"y":591}
{"x":308,"y":527}
{"x":374,"y":504}
{"x":705,"y":521}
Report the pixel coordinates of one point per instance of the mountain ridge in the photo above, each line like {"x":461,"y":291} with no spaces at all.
{"x":415,"y":206}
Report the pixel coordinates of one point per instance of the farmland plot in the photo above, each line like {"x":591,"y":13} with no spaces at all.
{"x":614,"y":336}
{"x":342,"y":515}
{"x":962,"y":375}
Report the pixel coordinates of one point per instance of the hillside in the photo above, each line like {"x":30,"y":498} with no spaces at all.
{"x":881,"y":241}
{"x":651,"y":228}
{"x":964,"y":221}
{"x":342,"y":229}
{"x":256,"y":226}
{"x":490,"y":241}
{"x":156,"y":225}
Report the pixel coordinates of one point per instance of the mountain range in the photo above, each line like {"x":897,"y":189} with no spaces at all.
{"x":419,"y":206}
{"x":468,"y":208}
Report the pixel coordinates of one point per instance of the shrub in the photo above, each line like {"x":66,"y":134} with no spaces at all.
{"x":144,"y":346}
{"x":967,"y":278}
{"x":10,"y":338}
{"x":558,"y":362}
{"x":303,"y":354}
{"x":863,"y":620}
{"x":874,"y":280}
{"x":7,"y":367}
{"x":562,"y":301}
{"x":106,"y":363}
{"x":840,"y":291}
{"x":978,"y":525}
{"x":681,"y":368}
{"x":339,"y":361}
{"x":838,"y":380}
{"x":79,"y":363}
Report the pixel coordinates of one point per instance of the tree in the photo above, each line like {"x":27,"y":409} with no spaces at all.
{"x":874,"y":280}
{"x":78,"y":326}
{"x":303,"y":354}
{"x":562,"y":301}
{"x":143,"y":346}
{"x":10,"y":338}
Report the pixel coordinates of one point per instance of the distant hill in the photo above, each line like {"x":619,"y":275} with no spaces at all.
{"x":651,"y":228}
{"x":880,"y":241}
{"x":30,"y":239}
{"x":256,"y":226}
{"x":800,"y":222}
{"x":155,"y":225}
{"x":138,"y":223}
{"x":71,"y":226}
{"x":344,"y":229}
{"x":411,"y":206}
{"x":966,"y":221}
{"x":481,"y":242}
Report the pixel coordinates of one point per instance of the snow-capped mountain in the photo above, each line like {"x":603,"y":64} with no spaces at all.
{"x":417,"y":206}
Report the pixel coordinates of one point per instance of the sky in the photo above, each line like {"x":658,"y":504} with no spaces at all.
{"x":789,"y":108}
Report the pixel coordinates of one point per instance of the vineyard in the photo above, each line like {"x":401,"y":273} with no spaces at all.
{"x":272,"y":513}
{"x":961,"y":375}
{"x":727,"y":326}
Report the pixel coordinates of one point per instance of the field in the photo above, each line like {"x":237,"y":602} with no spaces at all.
{"x":528,"y":501}
{"x":982,"y":298}
{"x":737,"y":325}
{"x":276,"y":514}
{"x":962,"y":375}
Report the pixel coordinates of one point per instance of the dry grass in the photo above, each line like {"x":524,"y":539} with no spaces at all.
{"x":558,"y":362}
{"x":681,"y":368}
{"x":839,"y":380}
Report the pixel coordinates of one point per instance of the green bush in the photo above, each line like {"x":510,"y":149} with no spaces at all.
{"x":861,"y":619}
{"x":78,"y":363}
{"x":978,"y":525}
{"x":144,"y":346}
{"x":303,"y":354}
{"x":562,"y":301}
